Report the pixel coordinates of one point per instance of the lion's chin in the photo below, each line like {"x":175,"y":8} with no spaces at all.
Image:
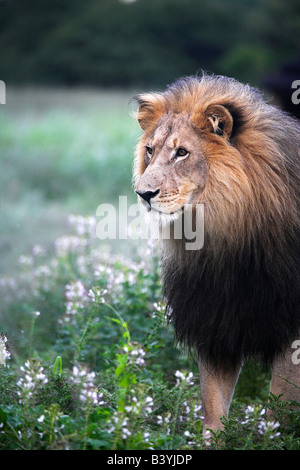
{"x":158,"y":210}
{"x":167,"y":213}
{"x":156,"y":216}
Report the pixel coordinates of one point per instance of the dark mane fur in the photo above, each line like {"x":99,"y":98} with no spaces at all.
{"x":235,"y":308}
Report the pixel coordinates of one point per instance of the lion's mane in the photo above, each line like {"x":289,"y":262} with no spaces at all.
{"x":239,"y":296}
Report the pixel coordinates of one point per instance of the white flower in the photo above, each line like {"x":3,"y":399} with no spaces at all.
{"x":268,"y":427}
{"x":33,"y":378}
{"x":189,"y":378}
{"x":92,"y":295}
{"x":77,"y":297}
{"x":249,"y":409}
{"x":207,"y":437}
{"x":179,"y":375}
{"x":97,"y":295}
{"x":26,"y":260}
{"x":159,"y":419}
{"x":135,"y":354}
{"x":4,"y":353}
{"x":88,"y":390}
{"x":83,"y":225}
{"x":38,"y":250}
{"x":149,"y":400}
{"x":184,"y":378}
{"x":163,"y":420}
{"x":69,"y":244}
{"x":149,"y":404}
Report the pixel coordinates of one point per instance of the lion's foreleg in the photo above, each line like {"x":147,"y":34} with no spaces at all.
{"x":286,"y":374}
{"x":217,"y":388}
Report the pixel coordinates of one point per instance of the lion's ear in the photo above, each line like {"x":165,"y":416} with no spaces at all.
{"x":216,"y":119}
{"x":151,"y":108}
{"x":219,"y":120}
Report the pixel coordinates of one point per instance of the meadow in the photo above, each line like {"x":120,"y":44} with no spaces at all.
{"x":88,"y":360}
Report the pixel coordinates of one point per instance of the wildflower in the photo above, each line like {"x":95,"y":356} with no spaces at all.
{"x":69,"y":244}
{"x":207,"y":437}
{"x":33,"y":378}
{"x":26,"y":260}
{"x":125,"y":430}
{"x":149,"y":404}
{"x":83,"y":225}
{"x":164,"y":421}
{"x":38,"y":250}
{"x":191,"y":436}
{"x":135,"y":354}
{"x":76,"y":296}
{"x":88,"y":390}
{"x":188,"y":379}
{"x":196,"y":410}
{"x":268,"y":427}
{"x":159,"y":309}
{"x":92,"y":295}
{"x":4,"y":353}
{"x":97,"y":295}
{"x":159,"y":419}
{"x":251,"y":413}
{"x":121,"y":425}
{"x":250,"y":409}
{"x":42,"y":272}
{"x":187,"y":407}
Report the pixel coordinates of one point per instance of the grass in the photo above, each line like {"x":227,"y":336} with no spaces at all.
{"x":89,"y":361}
{"x":61,"y":151}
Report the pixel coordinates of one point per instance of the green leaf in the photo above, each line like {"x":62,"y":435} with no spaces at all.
{"x":57,"y":364}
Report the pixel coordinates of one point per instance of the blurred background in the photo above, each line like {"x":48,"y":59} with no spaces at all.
{"x":70,"y":69}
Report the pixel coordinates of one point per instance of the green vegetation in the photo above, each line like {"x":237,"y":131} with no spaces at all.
{"x":144,"y":43}
{"x":61,"y":152}
{"x":84,"y":367}
{"x":91,"y":362}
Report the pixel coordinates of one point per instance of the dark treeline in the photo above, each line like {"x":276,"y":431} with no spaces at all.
{"x":146,"y":42}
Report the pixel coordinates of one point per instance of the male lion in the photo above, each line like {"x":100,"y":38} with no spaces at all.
{"x":211,"y":140}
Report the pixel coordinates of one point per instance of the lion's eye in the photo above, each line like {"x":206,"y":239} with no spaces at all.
{"x":149,"y":151}
{"x":181,"y":152}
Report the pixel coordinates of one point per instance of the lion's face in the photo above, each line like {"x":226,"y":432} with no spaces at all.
{"x":172,"y":154}
{"x":175,"y":168}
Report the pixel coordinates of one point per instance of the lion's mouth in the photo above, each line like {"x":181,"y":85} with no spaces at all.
{"x":164,"y":209}
{"x":166,"y":213}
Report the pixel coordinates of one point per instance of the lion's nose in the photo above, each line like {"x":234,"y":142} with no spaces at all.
{"x":147,"y":195}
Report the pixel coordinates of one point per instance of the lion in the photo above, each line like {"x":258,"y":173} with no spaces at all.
{"x":212,"y":141}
